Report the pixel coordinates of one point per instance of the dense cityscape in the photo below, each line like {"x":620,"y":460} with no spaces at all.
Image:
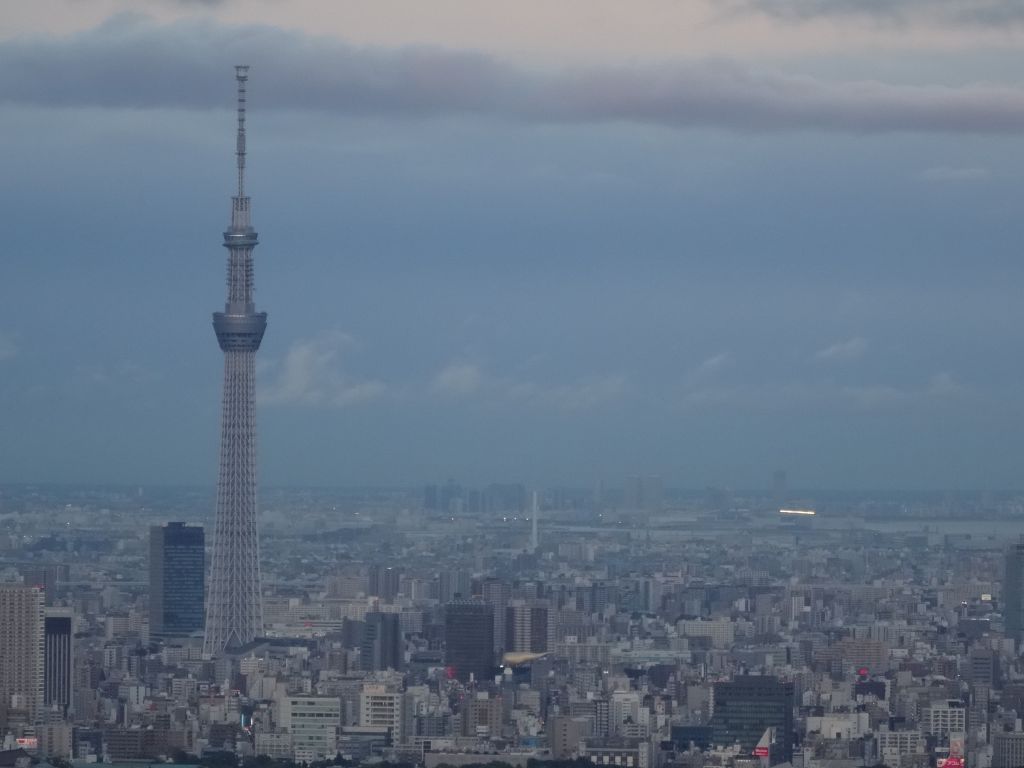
{"x":629,"y":625}
{"x":634,"y":623}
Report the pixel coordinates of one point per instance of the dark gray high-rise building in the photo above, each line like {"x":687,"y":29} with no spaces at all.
{"x":453,"y":585}
{"x":234,"y":610}
{"x":497,"y":592}
{"x":469,"y":639}
{"x":746,"y":707}
{"x":1013,"y":592}
{"x":177,"y":568}
{"x":382,"y":646}
{"x":58,"y":662}
{"x":383,"y":581}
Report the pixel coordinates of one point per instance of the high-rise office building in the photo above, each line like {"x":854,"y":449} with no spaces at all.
{"x":383,"y":581}
{"x":234,"y":610}
{"x":526,"y":628}
{"x":21,"y":648}
{"x":383,"y":644}
{"x":497,"y":592}
{"x":981,"y":666}
{"x":453,"y":585}
{"x":746,"y":707}
{"x":58,"y":659}
{"x":469,"y":639}
{"x":177,"y":568}
{"x":1013,"y":592}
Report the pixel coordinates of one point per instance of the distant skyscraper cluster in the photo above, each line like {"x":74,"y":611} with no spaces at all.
{"x":644,"y":493}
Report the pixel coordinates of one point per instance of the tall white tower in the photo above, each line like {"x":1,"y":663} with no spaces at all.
{"x":234,"y":610}
{"x":534,"y":513}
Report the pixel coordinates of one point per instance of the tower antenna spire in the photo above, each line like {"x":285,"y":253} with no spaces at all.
{"x":241,"y":75}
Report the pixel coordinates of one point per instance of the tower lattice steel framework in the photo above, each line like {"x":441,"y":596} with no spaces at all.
{"x":234,"y":611}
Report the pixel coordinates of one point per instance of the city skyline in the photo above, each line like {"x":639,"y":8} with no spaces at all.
{"x":644,"y":386}
{"x":612,"y":284}
{"x":635,"y":629}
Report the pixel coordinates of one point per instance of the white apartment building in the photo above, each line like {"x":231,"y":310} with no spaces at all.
{"x":381,"y":707}
{"x":945,"y":716}
{"x":893,"y":746}
{"x":721,"y":631}
{"x":313,"y":723}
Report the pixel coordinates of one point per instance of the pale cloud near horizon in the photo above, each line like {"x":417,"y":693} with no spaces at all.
{"x":801,"y":394}
{"x":850,"y":349}
{"x":583,"y":394}
{"x":940,"y":386}
{"x":458,"y":379}
{"x":713,"y":364}
{"x":945,"y":173}
{"x":8,"y":347}
{"x":311,"y":374}
{"x":465,"y":379}
{"x":943,"y":384}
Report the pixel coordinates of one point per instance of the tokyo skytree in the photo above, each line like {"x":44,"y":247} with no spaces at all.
{"x":234,"y":611}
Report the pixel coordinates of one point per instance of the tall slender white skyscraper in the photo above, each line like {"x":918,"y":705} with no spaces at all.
{"x":234,"y":611}
{"x":534,"y":513}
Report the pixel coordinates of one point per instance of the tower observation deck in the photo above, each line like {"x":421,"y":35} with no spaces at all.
{"x":234,"y":610}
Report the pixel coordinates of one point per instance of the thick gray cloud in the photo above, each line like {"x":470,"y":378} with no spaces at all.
{"x":135,"y":63}
{"x":984,"y":12}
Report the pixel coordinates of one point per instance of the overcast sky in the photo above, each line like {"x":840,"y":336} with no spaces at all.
{"x":555,"y":242}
